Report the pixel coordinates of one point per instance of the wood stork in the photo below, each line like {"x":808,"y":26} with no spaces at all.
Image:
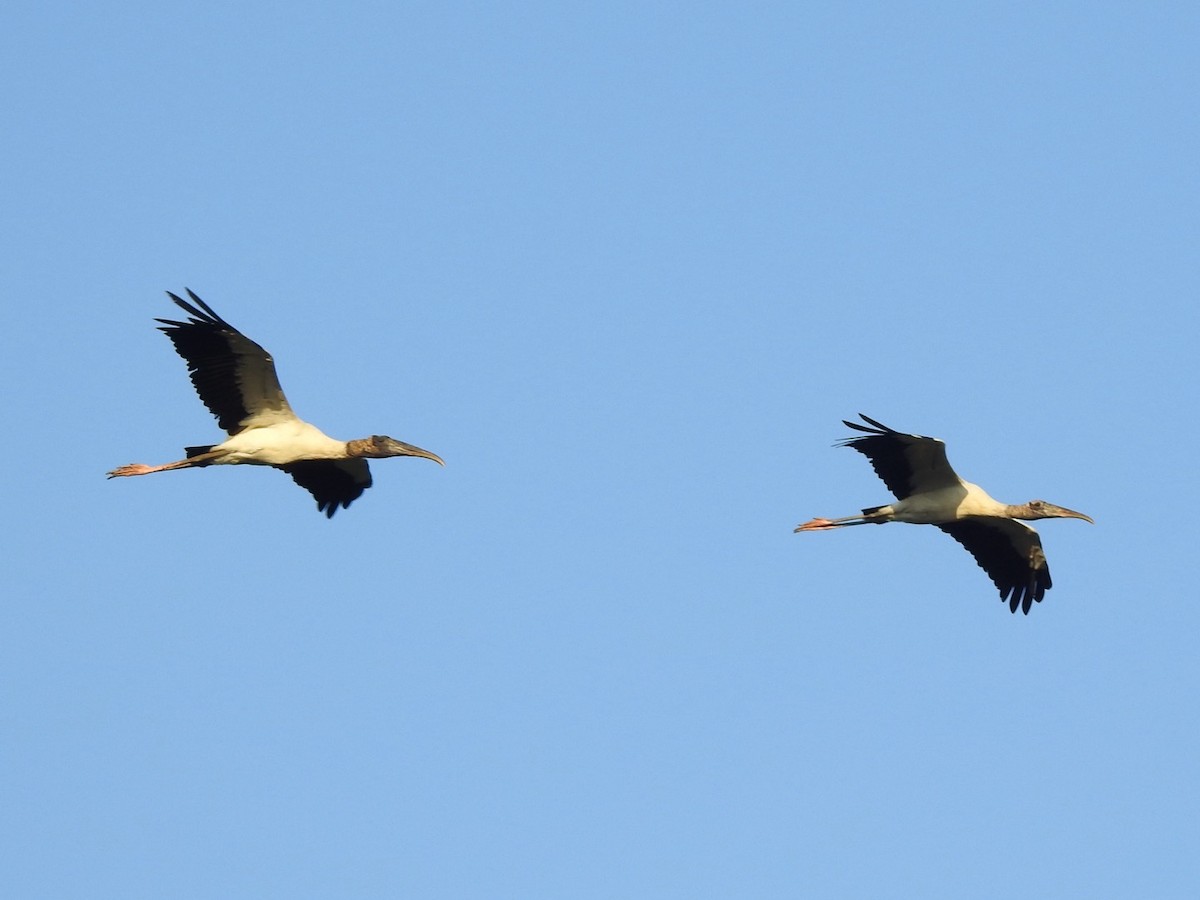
{"x":236,"y":380}
{"x":915,"y":469}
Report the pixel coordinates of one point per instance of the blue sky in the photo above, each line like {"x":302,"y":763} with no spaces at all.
{"x":624,"y":267}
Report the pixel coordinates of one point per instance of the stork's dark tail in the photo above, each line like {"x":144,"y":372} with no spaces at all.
{"x":197,"y":451}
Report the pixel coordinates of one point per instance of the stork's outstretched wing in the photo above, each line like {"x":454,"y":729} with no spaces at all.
{"x":333,"y":482}
{"x":908,"y":463}
{"x":234,"y":376}
{"x":1010,"y":552}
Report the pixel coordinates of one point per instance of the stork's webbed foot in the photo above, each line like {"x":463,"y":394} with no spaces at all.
{"x":815,"y":525}
{"x":131,"y":469}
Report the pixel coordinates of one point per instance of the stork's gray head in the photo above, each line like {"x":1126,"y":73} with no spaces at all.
{"x":1040,"y":509}
{"x":380,"y":446}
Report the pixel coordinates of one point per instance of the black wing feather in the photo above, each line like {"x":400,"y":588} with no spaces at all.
{"x":333,"y":482}
{"x":906,"y":463}
{"x":1010,"y":552}
{"x":234,"y":376}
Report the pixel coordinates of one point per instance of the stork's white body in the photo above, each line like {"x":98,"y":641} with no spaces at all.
{"x":278,"y":444}
{"x":948,"y":504}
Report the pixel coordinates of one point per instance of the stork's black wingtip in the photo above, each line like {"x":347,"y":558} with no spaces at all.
{"x":877,"y":424}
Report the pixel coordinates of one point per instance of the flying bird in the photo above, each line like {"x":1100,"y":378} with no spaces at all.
{"x":236,"y":380}
{"x":915,"y":469}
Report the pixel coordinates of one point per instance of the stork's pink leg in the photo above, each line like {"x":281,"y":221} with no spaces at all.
{"x":143,"y":469}
{"x":827,"y":524}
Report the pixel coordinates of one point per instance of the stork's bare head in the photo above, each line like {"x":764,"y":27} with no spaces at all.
{"x":1040,"y":509}
{"x":380,"y":446}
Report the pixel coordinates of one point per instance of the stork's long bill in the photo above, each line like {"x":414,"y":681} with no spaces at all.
{"x":929,"y":492}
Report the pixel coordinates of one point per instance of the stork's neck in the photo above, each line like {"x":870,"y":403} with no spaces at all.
{"x":1021,"y":511}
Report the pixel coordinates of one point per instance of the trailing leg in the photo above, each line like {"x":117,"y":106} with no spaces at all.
{"x":198,"y":460}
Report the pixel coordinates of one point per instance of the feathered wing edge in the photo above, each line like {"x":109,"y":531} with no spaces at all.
{"x":1011,"y":554}
{"x":332,"y":482}
{"x":234,"y":377}
{"x":906,"y":463}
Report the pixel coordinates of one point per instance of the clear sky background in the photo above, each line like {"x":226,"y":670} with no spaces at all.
{"x":625,"y":266}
